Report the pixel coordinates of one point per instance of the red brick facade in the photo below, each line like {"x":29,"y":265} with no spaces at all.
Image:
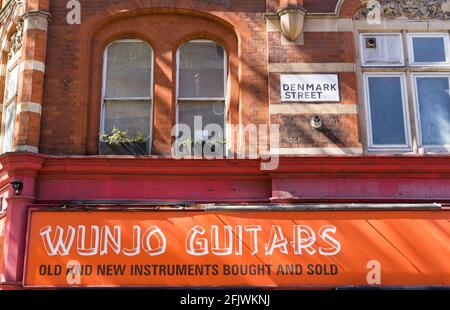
{"x":70,"y":93}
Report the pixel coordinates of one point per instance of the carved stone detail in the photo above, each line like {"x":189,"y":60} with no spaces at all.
{"x":292,"y":20}
{"x":17,"y":38}
{"x":412,"y":9}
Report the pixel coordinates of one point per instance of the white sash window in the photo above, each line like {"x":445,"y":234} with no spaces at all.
{"x":128,"y":88}
{"x":201,"y":89}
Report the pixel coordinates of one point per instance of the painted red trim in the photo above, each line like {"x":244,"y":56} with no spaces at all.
{"x":297,"y":179}
{"x":27,"y":242}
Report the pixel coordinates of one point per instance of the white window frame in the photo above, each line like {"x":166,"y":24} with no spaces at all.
{"x":11,"y":65}
{"x":149,"y":99}
{"x":225,"y":89}
{"x":418,"y":125}
{"x":362,"y":41}
{"x":444,"y":36}
{"x":407,"y":147}
{"x":13,"y":105}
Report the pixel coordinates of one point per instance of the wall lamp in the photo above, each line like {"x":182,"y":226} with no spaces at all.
{"x":292,"y":20}
{"x":316,"y":122}
{"x":17,"y":186}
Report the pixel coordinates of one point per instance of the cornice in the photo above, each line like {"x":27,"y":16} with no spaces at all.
{"x":46,"y":165}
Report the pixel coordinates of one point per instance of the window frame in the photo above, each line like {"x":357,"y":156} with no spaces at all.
{"x":375,"y":34}
{"x":12,"y":64}
{"x":205,"y":99}
{"x":148,"y":99}
{"x":407,"y":147}
{"x":412,"y":35}
{"x":445,"y":148}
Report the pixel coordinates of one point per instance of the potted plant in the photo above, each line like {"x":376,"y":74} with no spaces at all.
{"x":118,"y":142}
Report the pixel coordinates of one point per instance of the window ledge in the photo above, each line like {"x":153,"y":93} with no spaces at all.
{"x":434,"y":150}
{"x":390,"y":151}
{"x":406,"y":69}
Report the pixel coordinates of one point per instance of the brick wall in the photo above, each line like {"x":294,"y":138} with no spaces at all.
{"x":71,"y":113}
{"x":326,"y":47}
{"x":70,"y":118}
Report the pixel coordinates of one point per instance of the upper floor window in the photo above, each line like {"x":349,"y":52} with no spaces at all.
{"x":201,"y":89}
{"x":428,"y":49}
{"x":382,"y":50}
{"x":432,"y":100}
{"x":128,"y":89}
{"x":390,"y":126}
{"x":10,"y":101}
{"x":387,"y":113}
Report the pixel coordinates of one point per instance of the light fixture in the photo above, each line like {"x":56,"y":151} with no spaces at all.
{"x":316,"y":122}
{"x":17,"y":186}
{"x":371,"y":42}
{"x":292,"y":19}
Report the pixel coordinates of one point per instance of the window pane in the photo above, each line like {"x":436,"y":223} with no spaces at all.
{"x":201,"y":70}
{"x":211,"y":113}
{"x":9,"y":127}
{"x":388,"y":50}
{"x":129,"y":70}
{"x":434,"y":106}
{"x":131,"y":116}
{"x":386,"y":111}
{"x":429,"y":50}
{"x":12,"y":83}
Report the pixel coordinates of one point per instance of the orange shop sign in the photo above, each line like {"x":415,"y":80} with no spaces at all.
{"x":266,"y":249}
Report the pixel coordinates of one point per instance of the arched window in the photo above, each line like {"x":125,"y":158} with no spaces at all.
{"x":201,"y":91}
{"x":128,"y":90}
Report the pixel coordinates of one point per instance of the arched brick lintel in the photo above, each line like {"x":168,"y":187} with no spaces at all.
{"x":348,"y":8}
{"x":94,"y":23}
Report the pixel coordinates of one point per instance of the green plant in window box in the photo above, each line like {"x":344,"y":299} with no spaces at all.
{"x":119,"y":142}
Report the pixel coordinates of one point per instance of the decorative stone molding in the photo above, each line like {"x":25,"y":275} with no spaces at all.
{"x":26,"y":148}
{"x":313,"y":109}
{"x":36,"y":20}
{"x":311,"y":67}
{"x":412,"y":9}
{"x":9,"y":15}
{"x":12,"y":9}
{"x":292,"y":20}
{"x":17,"y":39}
{"x":32,"y":107}
{"x":32,"y":65}
{"x":37,"y":14}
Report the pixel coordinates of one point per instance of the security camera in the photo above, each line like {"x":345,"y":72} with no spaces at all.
{"x":316,"y":122}
{"x":17,"y":186}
